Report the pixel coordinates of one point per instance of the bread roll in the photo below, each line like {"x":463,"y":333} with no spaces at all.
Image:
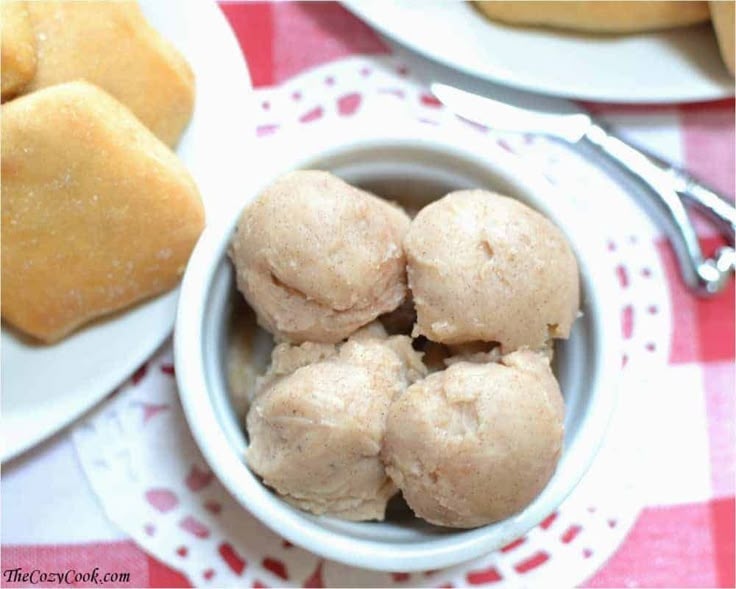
{"x":597,"y":16}
{"x":18,"y":47}
{"x":722,"y":14}
{"x":111,"y":45}
{"x":97,"y":213}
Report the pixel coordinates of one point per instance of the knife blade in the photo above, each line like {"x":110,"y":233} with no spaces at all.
{"x":570,"y":127}
{"x":665,"y":183}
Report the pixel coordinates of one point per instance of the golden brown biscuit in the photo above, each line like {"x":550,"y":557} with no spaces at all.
{"x":18,"y":47}
{"x":111,"y":45}
{"x":597,"y":16}
{"x":722,"y":14}
{"x":97,"y":213}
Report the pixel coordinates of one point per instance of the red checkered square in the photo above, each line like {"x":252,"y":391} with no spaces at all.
{"x":252,"y":23}
{"x":708,"y":142}
{"x":109,"y":557}
{"x":703,"y":329}
{"x":722,"y":513}
{"x":678,"y":546}
{"x":326,"y":31}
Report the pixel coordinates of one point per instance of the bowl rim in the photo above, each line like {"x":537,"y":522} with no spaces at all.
{"x":300,"y":528}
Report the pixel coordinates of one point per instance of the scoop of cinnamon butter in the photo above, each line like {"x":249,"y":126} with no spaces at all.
{"x":485,"y":267}
{"x":317,"y":423}
{"x":476,"y":442}
{"x":317,"y":258}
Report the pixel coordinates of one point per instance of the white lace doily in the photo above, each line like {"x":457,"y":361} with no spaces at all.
{"x":152,"y":481}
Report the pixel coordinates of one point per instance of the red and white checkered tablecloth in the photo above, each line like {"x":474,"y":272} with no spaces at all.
{"x":51,"y":520}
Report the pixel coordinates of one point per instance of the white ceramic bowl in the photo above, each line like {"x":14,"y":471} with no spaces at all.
{"x":423,"y":164}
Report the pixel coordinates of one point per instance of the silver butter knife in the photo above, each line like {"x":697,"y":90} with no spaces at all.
{"x":664,"y":183}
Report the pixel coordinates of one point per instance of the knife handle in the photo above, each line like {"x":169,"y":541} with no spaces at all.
{"x":722,"y":212}
{"x":705,"y":277}
{"x":717,"y":208}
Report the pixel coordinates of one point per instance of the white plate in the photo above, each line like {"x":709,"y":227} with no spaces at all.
{"x":46,"y":387}
{"x":680,"y":65}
